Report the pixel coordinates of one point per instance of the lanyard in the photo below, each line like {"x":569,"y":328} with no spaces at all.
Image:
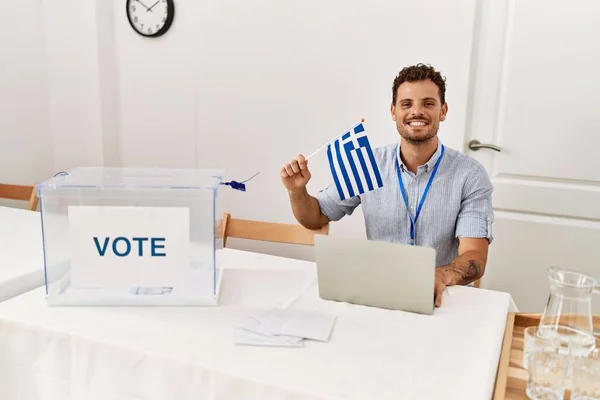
{"x":413,"y":222}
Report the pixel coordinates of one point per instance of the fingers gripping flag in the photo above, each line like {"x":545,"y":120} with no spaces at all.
{"x":353,"y":164}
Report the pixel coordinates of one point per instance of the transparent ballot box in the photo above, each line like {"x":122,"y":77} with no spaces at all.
{"x":131,"y":236}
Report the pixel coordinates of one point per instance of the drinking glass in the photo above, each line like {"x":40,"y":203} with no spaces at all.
{"x":547,"y":374}
{"x":534,"y":343}
{"x":586,"y":377}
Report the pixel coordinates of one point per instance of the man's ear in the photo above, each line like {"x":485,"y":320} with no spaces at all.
{"x":393,"y":112}
{"x":444,"y":112}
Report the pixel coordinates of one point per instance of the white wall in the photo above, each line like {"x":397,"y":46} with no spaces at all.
{"x":50,"y":89}
{"x":275,"y":79}
{"x":246,"y":86}
{"x":25,"y":141}
{"x":72,"y":65}
{"x":235,"y":85}
{"x":156,"y":90}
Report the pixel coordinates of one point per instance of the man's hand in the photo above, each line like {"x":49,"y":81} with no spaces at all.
{"x":295,"y":174}
{"x":464,"y":269}
{"x":441,"y":281}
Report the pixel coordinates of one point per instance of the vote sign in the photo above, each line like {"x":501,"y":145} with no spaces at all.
{"x":124,"y":252}
{"x":124,"y":247}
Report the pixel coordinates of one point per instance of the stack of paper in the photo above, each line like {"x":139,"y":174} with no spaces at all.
{"x":287,"y":328}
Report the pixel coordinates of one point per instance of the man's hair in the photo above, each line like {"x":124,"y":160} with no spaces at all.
{"x":420,"y":72}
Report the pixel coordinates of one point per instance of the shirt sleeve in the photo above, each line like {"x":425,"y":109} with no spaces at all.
{"x":332,"y":206}
{"x":476,"y":214}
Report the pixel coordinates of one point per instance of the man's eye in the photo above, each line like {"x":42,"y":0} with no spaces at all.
{"x":430,"y":104}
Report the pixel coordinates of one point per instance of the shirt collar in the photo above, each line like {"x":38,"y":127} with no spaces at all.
{"x":429,"y":164}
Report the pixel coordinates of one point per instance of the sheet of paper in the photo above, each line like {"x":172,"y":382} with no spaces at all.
{"x":252,"y":332}
{"x":292,"y":323}
{"x":307,"y":325}
{"x":123,"y":247}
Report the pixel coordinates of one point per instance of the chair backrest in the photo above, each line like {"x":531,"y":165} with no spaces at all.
{"x":272,"y":232}
{"x":268,"y":231}
{"x":20,"y":192}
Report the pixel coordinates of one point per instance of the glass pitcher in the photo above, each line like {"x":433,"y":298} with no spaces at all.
{"x":568,"y":313}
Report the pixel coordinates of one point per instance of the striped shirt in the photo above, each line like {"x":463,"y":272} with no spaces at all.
{"x":458,"y":203}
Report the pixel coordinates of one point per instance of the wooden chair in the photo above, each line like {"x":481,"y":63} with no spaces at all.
{"x":267,"y":231}
{"x":20,"y":192}
{"x":272,"y":232}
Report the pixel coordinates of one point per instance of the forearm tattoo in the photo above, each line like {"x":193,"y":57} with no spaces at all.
{"x":467,"y":271}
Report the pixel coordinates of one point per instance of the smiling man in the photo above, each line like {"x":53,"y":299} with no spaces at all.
{"x":432,"y":195}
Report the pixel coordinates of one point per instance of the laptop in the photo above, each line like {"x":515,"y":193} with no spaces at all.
{"x":378,"y":274}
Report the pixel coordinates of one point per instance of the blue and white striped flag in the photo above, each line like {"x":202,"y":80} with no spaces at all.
{"x":353,"y":164}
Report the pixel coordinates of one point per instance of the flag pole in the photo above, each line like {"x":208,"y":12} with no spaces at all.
{"x":325,"y":145}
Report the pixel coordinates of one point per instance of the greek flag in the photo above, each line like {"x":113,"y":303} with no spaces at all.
{"x":352,"y":163}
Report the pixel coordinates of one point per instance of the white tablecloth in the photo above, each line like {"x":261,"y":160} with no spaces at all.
{"x":181,"y":353}
{"x":21,"y":253}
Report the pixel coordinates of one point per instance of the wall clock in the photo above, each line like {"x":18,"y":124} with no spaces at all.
{"x":150,"y":18}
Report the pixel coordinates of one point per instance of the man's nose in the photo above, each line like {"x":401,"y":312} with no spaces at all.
{"x":416,"y":110}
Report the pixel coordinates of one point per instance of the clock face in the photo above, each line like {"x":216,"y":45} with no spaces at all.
{"x":150,"y":17}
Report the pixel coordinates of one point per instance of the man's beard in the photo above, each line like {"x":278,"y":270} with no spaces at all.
{"x":420,"y":138}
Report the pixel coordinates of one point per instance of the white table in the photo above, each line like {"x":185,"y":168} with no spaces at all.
{"x":179,"y":353}
{"x":21,"y":253}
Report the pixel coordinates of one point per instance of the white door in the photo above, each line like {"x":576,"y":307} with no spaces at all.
{"x":535,"y":93}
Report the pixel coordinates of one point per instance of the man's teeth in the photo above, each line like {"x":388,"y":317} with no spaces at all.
{"x":417,"y":123}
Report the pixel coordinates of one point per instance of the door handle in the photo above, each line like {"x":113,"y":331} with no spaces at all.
{"x":476,"y":145}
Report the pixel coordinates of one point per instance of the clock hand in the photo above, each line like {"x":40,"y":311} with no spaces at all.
{"x":142,"y":4}
{"x":152,"y":6}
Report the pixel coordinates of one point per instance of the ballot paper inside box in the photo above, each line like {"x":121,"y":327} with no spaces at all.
{"x":131,"y":236}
